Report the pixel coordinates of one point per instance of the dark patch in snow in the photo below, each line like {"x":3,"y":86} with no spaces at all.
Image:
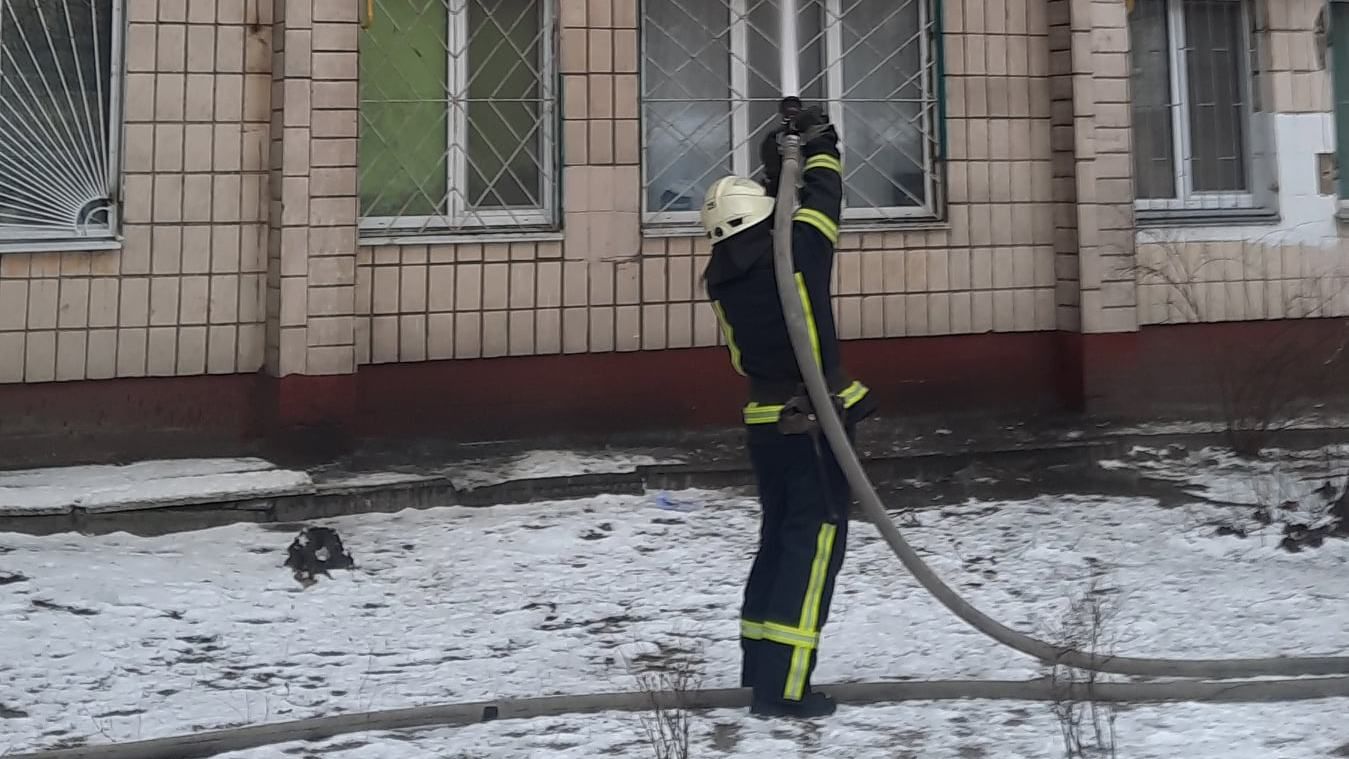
{"x":53,"y":606}
{"x":971,"y":752}
{"x":11,"y":712}
{"x":593,"y":535}
{"x":726,"y":736}
{"x":1341,"y":751}
{"x":119,"y":713}
{"x":10,"y":579}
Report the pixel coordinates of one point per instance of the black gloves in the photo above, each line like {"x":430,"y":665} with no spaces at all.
{"x":770,"y":153}
{"x":817,"y":136}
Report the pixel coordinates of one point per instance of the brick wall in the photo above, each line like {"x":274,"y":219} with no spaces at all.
{"x":242,"y":253}
{"x":184,"y":294}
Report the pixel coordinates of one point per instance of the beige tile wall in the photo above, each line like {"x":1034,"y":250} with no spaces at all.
{"x":604,"y":287}
{"x":1292,"y":75}
{"x":241,"y":203}
{"x":184,"y":295}
{"x":311,"y":258}
{"x":1239,"y":281}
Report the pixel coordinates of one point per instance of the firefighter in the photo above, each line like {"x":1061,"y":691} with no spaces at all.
{"x":802,"y":490}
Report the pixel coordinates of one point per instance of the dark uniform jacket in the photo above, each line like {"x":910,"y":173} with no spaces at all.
{"x":741,"y":283}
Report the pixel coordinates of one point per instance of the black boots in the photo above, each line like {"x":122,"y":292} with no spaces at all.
{"x":815,"y":704}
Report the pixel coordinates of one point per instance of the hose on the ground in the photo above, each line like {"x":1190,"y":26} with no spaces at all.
{"x":214,"y":742}
{"x":836,"y":434}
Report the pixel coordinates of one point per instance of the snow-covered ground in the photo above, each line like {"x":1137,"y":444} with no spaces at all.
{"x":471,"y":474}
{"x":117,"y":638}
{"x":144,"y":484}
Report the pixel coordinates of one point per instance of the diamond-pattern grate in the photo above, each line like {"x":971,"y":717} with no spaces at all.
{"x":711,"y":88}
{"x":57,"y":102}
{"x":456,"y":116}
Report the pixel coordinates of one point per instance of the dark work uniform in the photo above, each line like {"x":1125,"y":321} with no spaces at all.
{"x":804,"y":495}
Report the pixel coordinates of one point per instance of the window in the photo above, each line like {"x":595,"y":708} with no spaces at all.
{"x":1339,"y":66}
{"x":59,"y":97}
{"x":1191,"y":105}
{"x":711,"y":88}
{"x":457,"y":116}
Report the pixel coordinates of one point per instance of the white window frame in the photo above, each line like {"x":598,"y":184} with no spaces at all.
{"x":90,"y":237}
{"x":1187,"y":199}
{"x":460,"y":217}
{"x":743,"y":154}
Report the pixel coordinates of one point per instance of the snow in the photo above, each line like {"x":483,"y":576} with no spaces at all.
{"x":146,"y":484}
{"x":117,"y":637}
{"x":470,"y":475}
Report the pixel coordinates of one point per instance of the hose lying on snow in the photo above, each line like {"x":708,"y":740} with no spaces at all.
{"x":866,"y":495}
{"x":211,"y":743}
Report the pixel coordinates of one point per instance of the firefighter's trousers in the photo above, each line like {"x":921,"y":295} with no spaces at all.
{"x":803,"y":536}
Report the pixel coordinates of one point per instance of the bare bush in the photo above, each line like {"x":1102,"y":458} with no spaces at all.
{"x":666,"y":679}
{"x":1087,"y":726}
{"x":1261,"y":387}
{"x":1306,"y":497}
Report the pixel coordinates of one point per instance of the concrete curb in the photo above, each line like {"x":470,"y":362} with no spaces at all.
{"x":341,"y":499}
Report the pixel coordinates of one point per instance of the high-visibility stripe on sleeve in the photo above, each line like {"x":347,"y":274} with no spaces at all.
{"x":827,"y":226}
{"x":729,"y":334}
{"x":799,"y":668}
{"x":853,"y":393}
{"x":823,"y":161}
{"x":804,"y":294}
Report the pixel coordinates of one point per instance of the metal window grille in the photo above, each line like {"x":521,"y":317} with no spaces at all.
{"x":711,"y":85}
{"x":59,"y":111}
{"x":1191,"y":105}
{"x":457,"y":116}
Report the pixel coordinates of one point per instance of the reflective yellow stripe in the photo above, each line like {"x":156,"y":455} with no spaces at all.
{"x":730,"y":338}
{"x":769,"y":413}
{"x":827,"y":226}
{"x":824,"y":161}
{"x":791,"y":636}
{"x":784,"y":634}
{"x":853,"y":393}
{"x":810,"y":315}
{"x":795,"y":689}
{"x":756,"y":413}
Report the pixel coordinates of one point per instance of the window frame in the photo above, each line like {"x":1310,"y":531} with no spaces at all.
{"x":458,"y":218}
{"x":105,"y":235}
{"x":1187,"y":199}
{"x":742,"y":154}
{"x":1339,"y":109}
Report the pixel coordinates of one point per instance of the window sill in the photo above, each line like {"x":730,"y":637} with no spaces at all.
{"x":1252,"y":217}
{"x":849,"y":227}
{"x":366,"y":239}
{"x":58,"y":245}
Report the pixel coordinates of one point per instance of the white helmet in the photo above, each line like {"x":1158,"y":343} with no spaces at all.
{"x":734,"y":204}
